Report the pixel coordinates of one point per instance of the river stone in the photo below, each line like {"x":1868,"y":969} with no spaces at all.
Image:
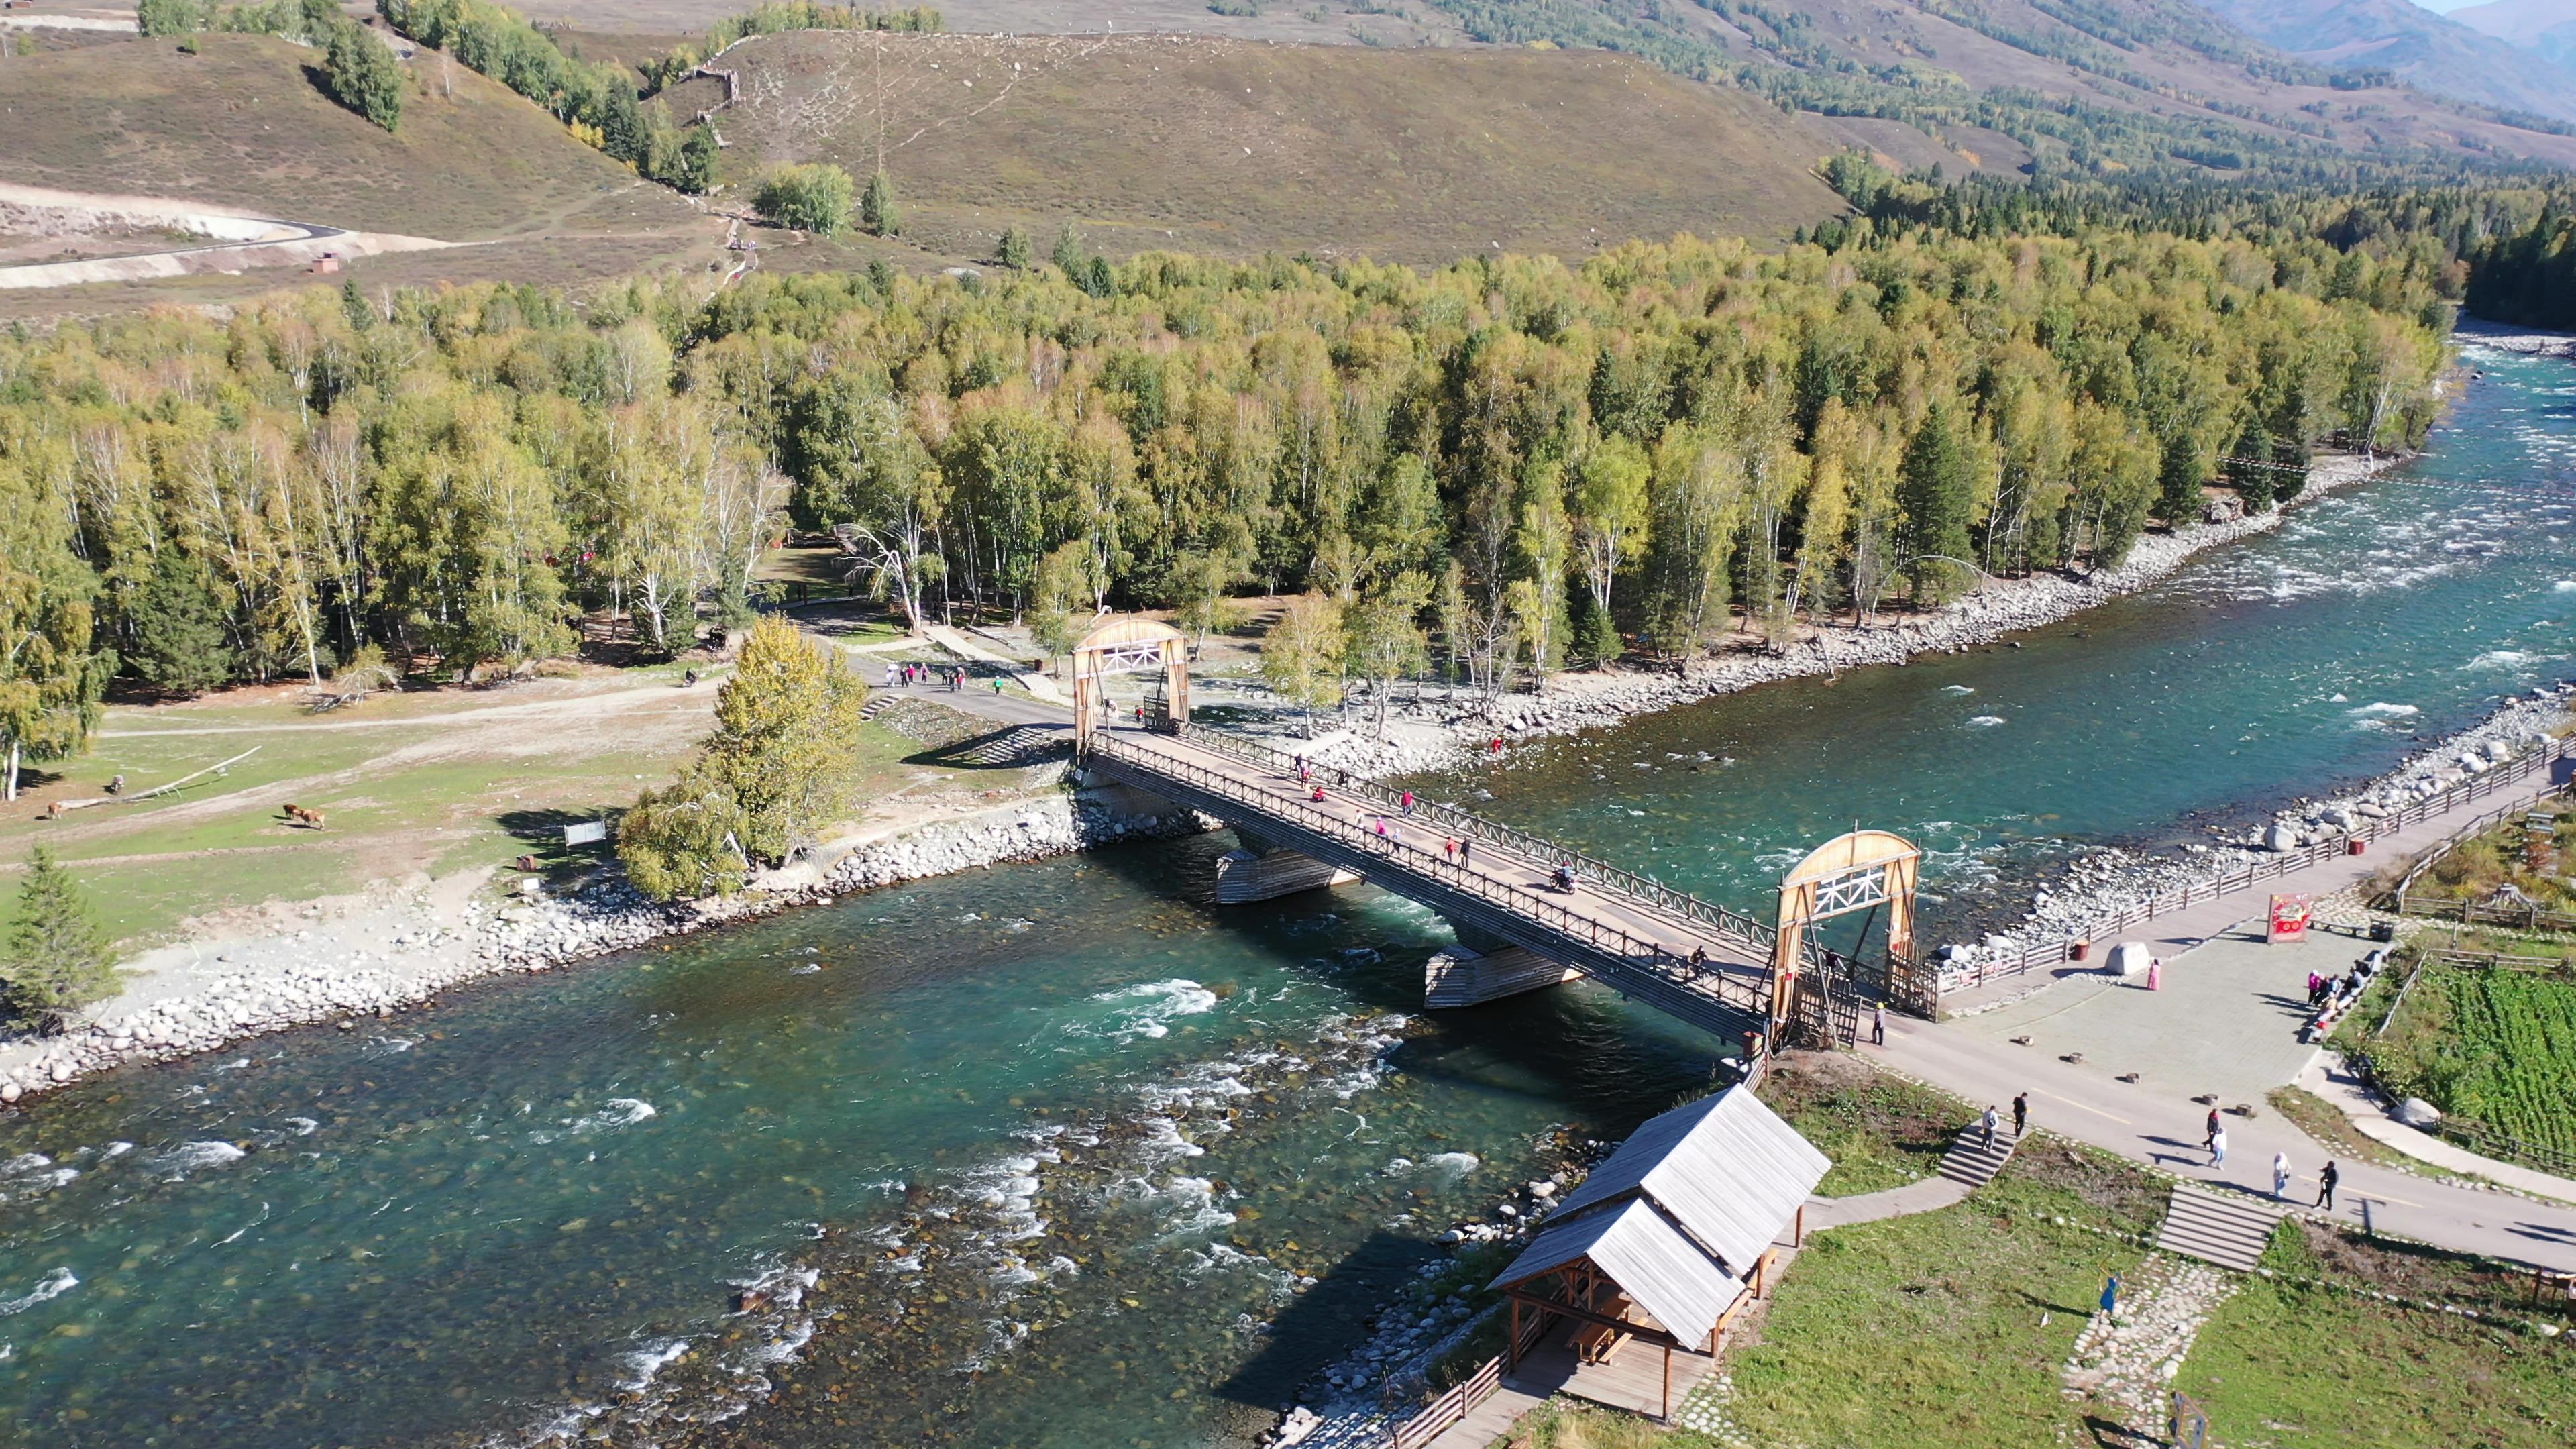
{"x":2280,"y":837}
{"x":2416,"y":1112}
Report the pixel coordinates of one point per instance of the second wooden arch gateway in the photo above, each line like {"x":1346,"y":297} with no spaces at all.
{"x":1128,"y":645}
{"x":1862,"y":870}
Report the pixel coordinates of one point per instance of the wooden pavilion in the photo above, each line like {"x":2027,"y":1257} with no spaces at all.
{"x":1665,"y":1242}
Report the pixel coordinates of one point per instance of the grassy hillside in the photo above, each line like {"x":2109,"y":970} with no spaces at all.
{"x":243,"y":124}
{"x":1218,"y":145}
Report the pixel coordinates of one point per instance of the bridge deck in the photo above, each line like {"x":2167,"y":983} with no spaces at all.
{"x":1630,"y":934}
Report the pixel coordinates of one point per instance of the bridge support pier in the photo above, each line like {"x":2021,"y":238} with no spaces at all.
{"x":1258,"y":874}
{"x":1480,"y":969}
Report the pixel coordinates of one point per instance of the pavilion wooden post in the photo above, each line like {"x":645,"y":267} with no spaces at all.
{"x":1668,"y":1383}
{"x":1516,"y":1333}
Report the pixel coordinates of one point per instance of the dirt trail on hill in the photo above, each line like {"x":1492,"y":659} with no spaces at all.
{"x":238,"y":240}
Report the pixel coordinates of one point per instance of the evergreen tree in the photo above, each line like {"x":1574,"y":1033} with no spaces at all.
{"x":877,"y":208}
{"x":58,"y":959}
{"x":693,"y":167}
{"x":364,"y":76}
{"x":179,"y":637}
{"x":2249,"y":468}
{"x":1937,"y":494}
{"x":1068,"y":255}
{"x":1017,"y":253}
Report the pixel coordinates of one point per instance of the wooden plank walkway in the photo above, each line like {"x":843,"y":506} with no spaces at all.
{"x":1629,"y":933}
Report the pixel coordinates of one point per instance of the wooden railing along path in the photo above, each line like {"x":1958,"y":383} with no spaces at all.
{"x":2157,"y":903}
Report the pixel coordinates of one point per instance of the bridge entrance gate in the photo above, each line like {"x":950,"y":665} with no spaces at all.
{"x":1129,"y":645}
{"x":1866,"y":870}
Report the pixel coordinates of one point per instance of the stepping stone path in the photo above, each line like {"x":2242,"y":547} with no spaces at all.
{"x":2229,"y":1231}
{"x":2127,"y":1364}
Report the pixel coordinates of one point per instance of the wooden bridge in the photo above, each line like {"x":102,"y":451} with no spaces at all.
{"x":1691,"y":959}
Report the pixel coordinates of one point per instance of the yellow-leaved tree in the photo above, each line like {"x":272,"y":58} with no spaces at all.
{"x":776,"y":770}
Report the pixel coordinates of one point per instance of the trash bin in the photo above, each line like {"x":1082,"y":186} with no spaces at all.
{"x":2079,"y":950}
{"x":2383,"y":930}
{"x":2356,"y":846}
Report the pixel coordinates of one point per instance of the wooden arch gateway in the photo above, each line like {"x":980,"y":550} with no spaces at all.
{"x":1128,"y":645}
{"x":1863,"y":870}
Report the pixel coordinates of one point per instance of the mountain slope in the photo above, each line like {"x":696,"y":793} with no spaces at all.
{"x":1234,"y":147}
{"x":2429,"y":50}
{"x":243,"y":124}
{"x":2546,"y":28}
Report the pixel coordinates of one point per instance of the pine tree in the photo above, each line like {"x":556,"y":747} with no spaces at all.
{"x":694,"y":166}
{"x":877,"y":208}
{"x":1017,"y":251}
{"x":179,"y":639}
{"x":1935,"y":492}
{"x":58,"y":958}
{"x":1068,"y":254}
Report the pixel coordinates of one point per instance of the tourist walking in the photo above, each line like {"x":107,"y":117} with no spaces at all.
{"x":2021,"y":1113}
{"x":1498,"y":747}
{"x":2218,"y":1148}
{"x":2281,"y":1175}
{"x":1408,"y":804}
{"x":1466,"y":848}
{"x":1988,"y":1123}
{"x":2326,"y":1185}
{"x":2211,"y":1129}
{"x":2111,"y":1296}
{"x":1878,"y":1024}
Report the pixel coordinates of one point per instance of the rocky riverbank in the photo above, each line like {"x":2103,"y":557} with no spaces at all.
{"x":1446,"y":730}
{"x":2507,"y":338}
{"x":2104,"y":881}
{"x":393,"y":951}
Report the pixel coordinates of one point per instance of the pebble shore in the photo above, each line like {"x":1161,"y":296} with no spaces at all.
{"x":388,"y":956}
{"x":1439,"y":733}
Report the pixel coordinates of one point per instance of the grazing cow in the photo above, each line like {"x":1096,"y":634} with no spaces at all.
{"x":309,"y":819}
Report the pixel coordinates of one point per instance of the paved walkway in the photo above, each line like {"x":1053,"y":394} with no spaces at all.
{"x":2154,"y":1120}
{"x":2180,"y":930}
{"x":2341,"y":1089}
{"x":2226,"y":1021}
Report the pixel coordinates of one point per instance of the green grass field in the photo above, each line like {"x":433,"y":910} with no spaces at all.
{"x":2493,"y":1045}
{"x":1947,"y":1328}
{"x":2288,"y":1366}
{"x":410,"y":783}
{"x":1880,"y":1131}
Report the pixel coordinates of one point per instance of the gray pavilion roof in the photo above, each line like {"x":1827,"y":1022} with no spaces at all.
{"x":1725,"y":1168}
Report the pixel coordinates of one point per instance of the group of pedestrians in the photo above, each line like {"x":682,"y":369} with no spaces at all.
{"x":2214,"y":1141}
{"x":918,"y":673}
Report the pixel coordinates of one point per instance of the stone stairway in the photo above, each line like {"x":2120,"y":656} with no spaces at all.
{"x":2228,"y":1231}
{"x":1971,"y":1163}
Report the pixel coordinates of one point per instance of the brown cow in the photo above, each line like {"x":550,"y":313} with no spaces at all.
{"x":309,"y":819}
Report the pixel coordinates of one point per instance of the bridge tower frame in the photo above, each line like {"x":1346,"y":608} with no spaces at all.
{"x":1128,"y":644}
{"x":1857,"y":871}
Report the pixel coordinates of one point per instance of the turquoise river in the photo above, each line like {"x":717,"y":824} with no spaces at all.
{"x":1062,"y":1155}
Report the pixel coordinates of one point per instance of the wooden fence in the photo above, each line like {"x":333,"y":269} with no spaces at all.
{"x":1449,"y":1408}
{"x":2477,"y":787}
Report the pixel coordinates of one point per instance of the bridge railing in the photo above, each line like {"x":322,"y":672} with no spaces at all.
{"x":1466,"y":825}
{"x":1742,"y":991}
